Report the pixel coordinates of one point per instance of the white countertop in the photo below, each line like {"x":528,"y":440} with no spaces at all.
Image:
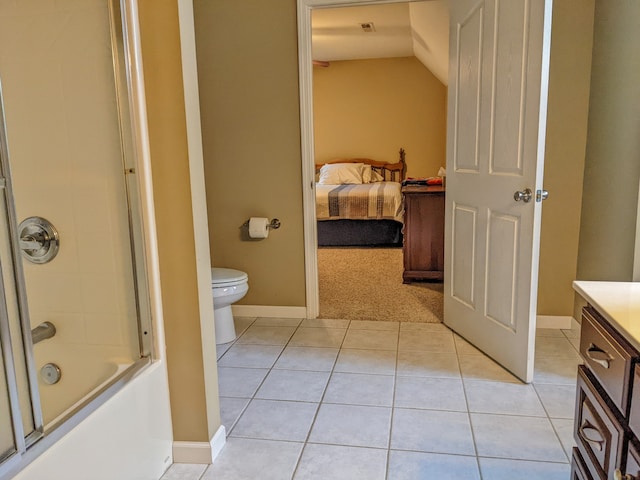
{"x":618,"y":302}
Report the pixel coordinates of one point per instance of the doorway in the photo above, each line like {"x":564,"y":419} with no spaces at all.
{"x":376,"y":94}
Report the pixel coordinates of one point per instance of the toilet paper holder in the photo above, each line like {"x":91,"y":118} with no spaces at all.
{"x":274,"y":224}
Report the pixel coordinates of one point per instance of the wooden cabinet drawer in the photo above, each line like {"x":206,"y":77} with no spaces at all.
{"x":634,"y":412}
{"x":608,"y":356}
{"x":632,"y":468}
{"x":597,"y":431}
{"x":578,"y":469}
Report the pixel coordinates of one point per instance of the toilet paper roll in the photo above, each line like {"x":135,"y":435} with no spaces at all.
{"x":258,"y":227}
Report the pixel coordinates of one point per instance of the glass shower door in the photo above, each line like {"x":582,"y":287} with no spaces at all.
{"x":20,"y":416}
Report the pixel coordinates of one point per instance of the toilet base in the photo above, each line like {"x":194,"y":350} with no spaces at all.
{"x":225,"y":328}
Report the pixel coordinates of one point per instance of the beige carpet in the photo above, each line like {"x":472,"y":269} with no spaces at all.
{"x":366,"y":284}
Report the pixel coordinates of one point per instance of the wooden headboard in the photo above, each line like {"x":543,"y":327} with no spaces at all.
{"x":391,"y":172}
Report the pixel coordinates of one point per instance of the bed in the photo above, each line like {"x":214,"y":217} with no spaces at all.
{"x":359,"y":202}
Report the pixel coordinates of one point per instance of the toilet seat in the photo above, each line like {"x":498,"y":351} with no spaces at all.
{"x":227,"y":277}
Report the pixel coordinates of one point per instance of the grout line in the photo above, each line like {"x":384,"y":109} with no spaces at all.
{"x":315,"y":417}
{"x":393,"y":402}
{"x":395,"y":374}
{"x":466,"y":399}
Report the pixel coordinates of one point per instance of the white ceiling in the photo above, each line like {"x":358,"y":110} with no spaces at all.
{"x":401,"y":30}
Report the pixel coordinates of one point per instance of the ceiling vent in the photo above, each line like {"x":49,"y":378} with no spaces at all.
{"x":368,"y":27}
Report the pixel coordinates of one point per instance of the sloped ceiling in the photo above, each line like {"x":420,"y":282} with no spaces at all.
{"x":401,"y":30}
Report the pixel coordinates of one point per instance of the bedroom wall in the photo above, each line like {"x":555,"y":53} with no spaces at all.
{"x":371,"y":108}
{"x":569,"y":83}
{"x":248,"y":77}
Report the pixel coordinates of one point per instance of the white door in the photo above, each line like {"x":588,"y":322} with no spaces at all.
{"x":499,"y":51}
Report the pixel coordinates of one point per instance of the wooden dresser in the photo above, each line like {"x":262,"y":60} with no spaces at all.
{"x":423,"y":247}
{"x":607,"y":417}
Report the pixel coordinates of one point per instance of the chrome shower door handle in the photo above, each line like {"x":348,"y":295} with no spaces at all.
{"x":524,"y":195}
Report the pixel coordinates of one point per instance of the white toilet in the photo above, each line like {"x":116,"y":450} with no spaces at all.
{"x":228,"y":287}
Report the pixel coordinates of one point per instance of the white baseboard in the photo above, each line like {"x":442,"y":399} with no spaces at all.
{"x":200,"y":452}
{"x":217,"y":442}
{"x":554,"y":321}
{"x":269,"y":311}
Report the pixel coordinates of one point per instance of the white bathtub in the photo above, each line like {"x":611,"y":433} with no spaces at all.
{"x":85,"y":369}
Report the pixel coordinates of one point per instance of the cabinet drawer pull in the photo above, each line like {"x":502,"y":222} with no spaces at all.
{"x":617,"y":475}
{"x":586,"y":427}
{"x":599,"y":356}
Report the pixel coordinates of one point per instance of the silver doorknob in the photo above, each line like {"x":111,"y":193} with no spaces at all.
{"x":524,"y":195}
{"x":541,"y":195}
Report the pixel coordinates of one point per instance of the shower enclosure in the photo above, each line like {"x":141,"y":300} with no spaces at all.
{"x":74,"y":309}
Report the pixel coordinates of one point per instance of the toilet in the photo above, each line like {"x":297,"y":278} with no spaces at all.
{"x":228,"y":286}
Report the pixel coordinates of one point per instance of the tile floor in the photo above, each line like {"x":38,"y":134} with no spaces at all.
{"x":340,"y":399}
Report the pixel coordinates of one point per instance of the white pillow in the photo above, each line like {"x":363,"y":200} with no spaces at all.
{"x":341,"y":173}
{"x":370,"y":176}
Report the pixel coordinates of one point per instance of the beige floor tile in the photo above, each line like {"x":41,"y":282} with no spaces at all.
{"x":230,"y":410}
{"x":184,"y":471}
{"x":258,"y":335}
{"x":564,"y":430}
{"x":324,"y":323}
{"x":251,"y":356}
{"x":503,"y":398}
{"x":371,"y":339}
{"x":465,"y":348}
{"x":481,"y":367}
{"x":500,"y":469}
{"x":335,"y":462}
{"x":428,"y":364}
{"x":242,"y":323}
{"x":381,"y":362}
{"x":559,"y":400}
{"x":420,"y":465}
{"x":424,"y":327}
{"x":240,"y":382}
{"x":250,"y":459}
{"x":374,"y":325}
{"x":432,"y":431}
{"x":352,"y":425}
{"x":554,"y":347}
{"x":318,"y":337}
{"x":277,"y":322}
{"x":426,"y":341}
{"x":555,"y":370}
{"x":430,"y":393}
{"x":276,"y":420}
{"x":549,"y":332}
{"x":515,"y":437}
{"x":360,"y":389}
{"x":293,"y":385}
{"x":319,"y":359}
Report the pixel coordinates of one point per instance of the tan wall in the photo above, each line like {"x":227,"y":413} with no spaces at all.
{"x":248,"y":79}
{"x":612,"y":168}
{"x":569,"y":80}
{"x":371,"y":108}
{"x":171,"y":183}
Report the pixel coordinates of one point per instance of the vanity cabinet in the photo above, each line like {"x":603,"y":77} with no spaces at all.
{"x":607,"y":415}
{"x":423,"y":233}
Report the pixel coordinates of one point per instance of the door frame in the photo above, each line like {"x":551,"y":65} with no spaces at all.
{"x":305,"y":69}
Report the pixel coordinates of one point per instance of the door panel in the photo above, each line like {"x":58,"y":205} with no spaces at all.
{"x":502,"y":255}
{"x":498,"y":68}
{"x":463,"y":277}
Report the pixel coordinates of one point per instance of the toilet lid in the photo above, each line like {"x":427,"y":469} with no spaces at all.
{"x":227,"y":277}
